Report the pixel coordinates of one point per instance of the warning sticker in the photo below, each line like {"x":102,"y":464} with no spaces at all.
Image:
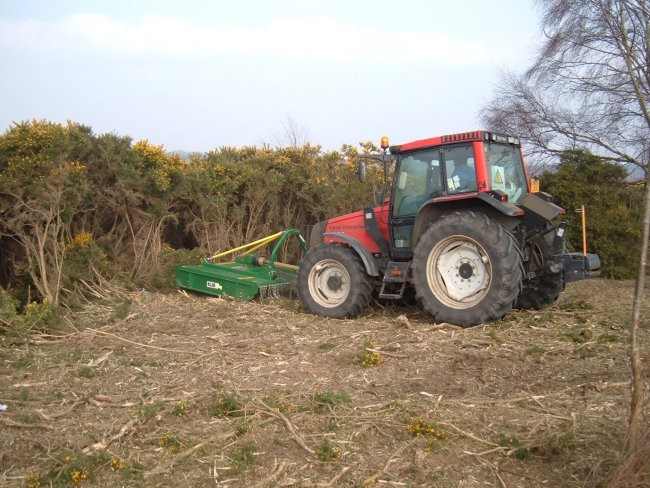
{"x":498,"y":178}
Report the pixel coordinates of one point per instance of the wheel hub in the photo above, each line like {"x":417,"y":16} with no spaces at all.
{"x":462,"y":268}
{"x":466,"y":270}
{"x":334,"y":282}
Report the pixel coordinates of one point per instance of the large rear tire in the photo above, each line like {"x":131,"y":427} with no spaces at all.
{"x":333,"y":282}
{"x":546,"y":287}
{"x":466,"y":269}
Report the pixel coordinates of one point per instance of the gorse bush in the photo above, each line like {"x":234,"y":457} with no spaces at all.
{"x":80,"y":207}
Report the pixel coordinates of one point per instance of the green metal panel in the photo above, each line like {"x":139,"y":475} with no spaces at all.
{"x":237,"y":280}
{"x":244,"y":278}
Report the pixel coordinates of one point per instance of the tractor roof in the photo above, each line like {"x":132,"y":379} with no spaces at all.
{"x":476,"y":135}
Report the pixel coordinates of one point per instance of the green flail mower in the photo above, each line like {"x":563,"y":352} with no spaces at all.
{"x":248,"y":276}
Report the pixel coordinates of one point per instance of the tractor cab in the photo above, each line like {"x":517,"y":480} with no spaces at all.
{"x":433,"y":169}
{"x":448,"y":169}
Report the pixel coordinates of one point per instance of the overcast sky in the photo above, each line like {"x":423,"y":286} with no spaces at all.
{"x":198,"y":75}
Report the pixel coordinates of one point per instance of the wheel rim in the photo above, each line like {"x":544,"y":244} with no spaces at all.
{"x":329,"y":283}
{"x":459,"y":272}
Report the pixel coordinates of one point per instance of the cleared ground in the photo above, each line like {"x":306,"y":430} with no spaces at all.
{"x":189,"y":390}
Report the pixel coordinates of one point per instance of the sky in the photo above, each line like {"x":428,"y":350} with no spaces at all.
{"x":198,"y":75}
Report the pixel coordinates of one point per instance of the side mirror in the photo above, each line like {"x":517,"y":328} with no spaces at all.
{"x":379,"y":197}
{"x":361,"y":171}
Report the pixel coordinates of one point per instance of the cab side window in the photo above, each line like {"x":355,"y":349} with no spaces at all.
{"x":419,"y":180}
{"x":411,"y":186}
{"x":460,"y":169}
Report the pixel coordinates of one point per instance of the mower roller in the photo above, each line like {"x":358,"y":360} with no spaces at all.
{"x":248,"y":276}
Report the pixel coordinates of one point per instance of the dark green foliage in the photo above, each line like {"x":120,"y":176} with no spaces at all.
{"x":516,"y":448}
{"x":7,"y":306}
{"x":613,"y":209}
{"x":122,"y":310}
{"x":323,"y":402}
{"x":225,"y":404}
{"x":242,"y":457}
{"x":163,"y":277}
{"x":325,"y":451}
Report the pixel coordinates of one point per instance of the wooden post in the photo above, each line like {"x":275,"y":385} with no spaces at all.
{"x":584,"y":230}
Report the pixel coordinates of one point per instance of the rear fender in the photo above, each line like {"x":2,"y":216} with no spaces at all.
{"x":434,"y":209}
{"x":539,"y":209}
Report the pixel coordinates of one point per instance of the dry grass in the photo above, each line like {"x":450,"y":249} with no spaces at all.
{"x":188,"y":390}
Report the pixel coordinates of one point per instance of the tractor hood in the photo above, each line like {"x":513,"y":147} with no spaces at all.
{"x":353,"y":226}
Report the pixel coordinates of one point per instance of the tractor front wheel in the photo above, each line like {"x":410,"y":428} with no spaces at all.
{"x":333,"y":282}
{"x":466,"y":269}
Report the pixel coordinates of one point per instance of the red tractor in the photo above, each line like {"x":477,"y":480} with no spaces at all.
{"x":460,"y":229}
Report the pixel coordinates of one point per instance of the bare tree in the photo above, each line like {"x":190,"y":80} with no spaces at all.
{"x":589,"y":87}
{"x":293,"y":134}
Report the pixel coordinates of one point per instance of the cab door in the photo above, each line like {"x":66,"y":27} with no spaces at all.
{"x":419,"y":178}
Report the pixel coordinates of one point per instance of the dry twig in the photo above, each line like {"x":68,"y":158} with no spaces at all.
{"x":100,"y":446}
{"x":335,"y":479}
{"x":467,"y":434}
{"x":390,"y":355}
{"x":495,"y":471}
{"x":13,"y":423}
{"x":53,"y":416}
{"x":179,"y":457}
{"x":139,"y":344}
{"x":274,"y":412}
{"x":271,"y":477}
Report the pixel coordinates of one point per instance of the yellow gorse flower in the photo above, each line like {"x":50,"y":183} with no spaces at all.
{"x":77,"y":476}
{"x":83,"y":239}
{"x":422,"y":428}
{"x":370,"y":358}
{"x":80,"y":241}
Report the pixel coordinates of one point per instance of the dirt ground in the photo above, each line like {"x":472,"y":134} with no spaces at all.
{"x":191,"y":390}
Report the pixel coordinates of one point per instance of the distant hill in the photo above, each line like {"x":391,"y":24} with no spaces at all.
{"x":183,"y":154}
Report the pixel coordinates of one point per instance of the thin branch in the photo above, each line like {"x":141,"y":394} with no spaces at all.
{"x":273,"y":412}
{"x":146,"y":346}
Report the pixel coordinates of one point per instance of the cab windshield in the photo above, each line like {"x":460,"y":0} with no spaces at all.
{"x":506,"y":170}
{"x":451,"y":170}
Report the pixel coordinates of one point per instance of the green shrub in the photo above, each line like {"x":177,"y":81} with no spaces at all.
{"x":613,"y":209}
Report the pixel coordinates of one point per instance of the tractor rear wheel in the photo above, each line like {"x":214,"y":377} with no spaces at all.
{"x":466,"y":269}
{"x":546,"y":287}
{"x":333,"y":282}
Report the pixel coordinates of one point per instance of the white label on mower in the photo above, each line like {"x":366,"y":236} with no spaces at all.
{"x":212,"y":284}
